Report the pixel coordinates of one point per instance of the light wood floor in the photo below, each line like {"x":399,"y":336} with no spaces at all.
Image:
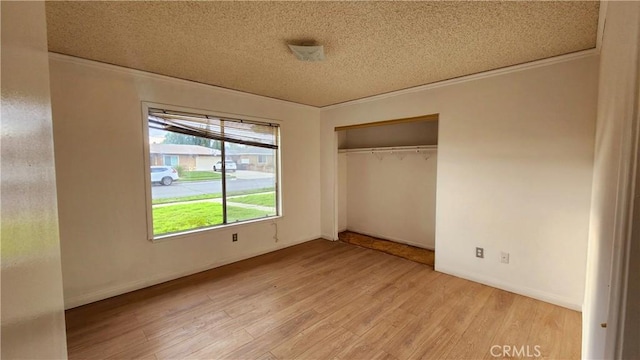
{"x":320,"y":300}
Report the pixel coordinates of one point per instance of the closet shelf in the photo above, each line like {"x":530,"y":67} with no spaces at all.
{"x":393,"y":149}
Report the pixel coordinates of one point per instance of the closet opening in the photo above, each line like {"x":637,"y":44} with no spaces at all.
{"x":386,"y":193}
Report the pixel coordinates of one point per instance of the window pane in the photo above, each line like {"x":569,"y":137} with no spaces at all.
{"x":186,"y":191}
{"x":251,"y":193}
{"x":188,"y":168}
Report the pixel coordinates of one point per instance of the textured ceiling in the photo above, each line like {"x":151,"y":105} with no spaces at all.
{"x":371,"y":47}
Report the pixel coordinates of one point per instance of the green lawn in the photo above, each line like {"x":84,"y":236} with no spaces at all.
{"x":186,"y":198}
{"x":268,"y":199}
{"x":202,"y":176}
{"x":180,"y":217}
{"x":208,"y":196}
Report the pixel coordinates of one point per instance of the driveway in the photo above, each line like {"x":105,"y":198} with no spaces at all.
{"x":246,"y":174}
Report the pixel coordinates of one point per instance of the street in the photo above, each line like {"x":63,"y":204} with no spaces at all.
{"x":179,"y":189}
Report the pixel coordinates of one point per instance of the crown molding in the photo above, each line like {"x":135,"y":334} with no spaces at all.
{"x":140,"y":73}
{"x":472,"y":77}
{"x":602,"y":19}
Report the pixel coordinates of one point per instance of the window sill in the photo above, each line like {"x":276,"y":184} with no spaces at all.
{"x":212,"y":229}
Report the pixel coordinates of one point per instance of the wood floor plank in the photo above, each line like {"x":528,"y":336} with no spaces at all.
{"x":365,"y":320}
{"x":196,"y":319}
{"x":275,"y":337}
{"x":223,"y":346}
{"x":309,"y":296}
{"x":318,"y":300}
{"x":330,"y":346}
{"x":437,"y":291}
{"x":306,"y":296}
{"x":102,"y":330}
{"x":371,"y":343}
{"x":350,"y":281}
{"x":406,"y":288}
{"x":383,"y":355}
{"x":150,"y":346}
{"x":192,"y":344}
{"x":515,"y":327}
{"x":457,"y":320}
{"x":292,"y":288}
{"x":147,"y":348}
{"x":453,"y":314}
{"x":278,"y":314}
{"x":108,"y":347}
{"x":301,"y":342}
{"x":112,"y":312}
{"x":546,"y":330}
{"x":475,"y":339}
{"x":267,"y":356}
{"x":572,"y":332}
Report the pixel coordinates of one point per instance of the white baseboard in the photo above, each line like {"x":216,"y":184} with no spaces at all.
{"x":398,"y":240}
{"x":141,"y":284}
{"x":328,"y":237}
{"x":521,"y":290}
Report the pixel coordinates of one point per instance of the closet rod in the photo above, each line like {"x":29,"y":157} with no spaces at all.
{"x":394,"y":149}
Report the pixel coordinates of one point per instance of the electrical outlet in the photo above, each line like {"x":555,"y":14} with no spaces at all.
{"x":480,"y":252}
{"x":234,"y":237}
{"x":504,"y":257}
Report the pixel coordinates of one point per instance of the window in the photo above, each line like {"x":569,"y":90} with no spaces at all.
{"x":170,"y":160}
{"x":203,"y":191}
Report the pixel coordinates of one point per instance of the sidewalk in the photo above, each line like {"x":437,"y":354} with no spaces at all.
{"x":250,"y":206}
{"x":230,"y":203}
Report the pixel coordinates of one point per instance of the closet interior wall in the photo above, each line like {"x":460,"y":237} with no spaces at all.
{"x":389,"y":189}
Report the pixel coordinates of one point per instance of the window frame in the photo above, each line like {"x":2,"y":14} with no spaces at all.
{"x":146,"y":105}
{"x":164,"y":158}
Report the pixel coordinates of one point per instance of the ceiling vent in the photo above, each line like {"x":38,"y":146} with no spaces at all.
{"x":308,"y":52}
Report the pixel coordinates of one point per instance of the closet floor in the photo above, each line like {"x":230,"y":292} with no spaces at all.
{"x":409,"y":252}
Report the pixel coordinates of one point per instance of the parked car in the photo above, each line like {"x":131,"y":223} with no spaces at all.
{"x":164,"y":175}
{"x":229,"y":164}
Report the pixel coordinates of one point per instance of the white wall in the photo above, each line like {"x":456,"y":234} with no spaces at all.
{"x":392,"y":198}
{"x":342,"y":192}
{"x":515,"y":157}
{"x":98,"y":133}
{"x":618,"y":91}
{"x":32,"y":307}
{"x":389,"y":196}
{"x":631,"y":316}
